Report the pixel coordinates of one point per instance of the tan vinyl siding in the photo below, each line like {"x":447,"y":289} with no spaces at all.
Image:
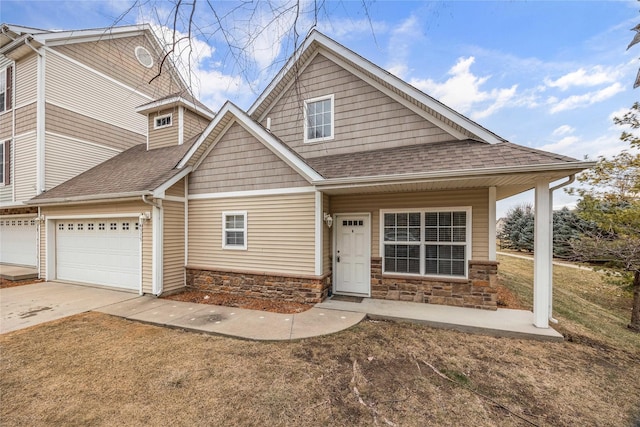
{"x":372,"y":203}
{"x":26,"y":80}
{"x":116,"y":59}
{"x":6,"y":194}
{"x":78,"y":89}
{"x":177,"y":189}
{"x":326,"y":236}
{"x":166,"y":136}
{"x":147,"y":255}
{"x":194,"y":124}
{"x":26,"y":118}
{"x":6,"y":122}
{"x":173,"y":246}
{"x":280,"y":234}
{"x":24,"y":172}
{"x":239,"y":163}
{"x":86,"y":128}
{"x":66,"y":158}
{"x":365,"y":118}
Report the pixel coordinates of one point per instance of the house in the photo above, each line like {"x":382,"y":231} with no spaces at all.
{"x":67,"y":103}
{"x":340,"y":178}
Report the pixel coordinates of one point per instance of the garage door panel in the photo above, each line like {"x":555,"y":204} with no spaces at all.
{"x":103,"y":252}
{"x":18,"y":241}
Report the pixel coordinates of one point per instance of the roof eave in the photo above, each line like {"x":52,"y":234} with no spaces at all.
{"x":131,"y":195}
{"x":162,"y":104}
{"x":63,"y":37}
{"x":569,"y":168}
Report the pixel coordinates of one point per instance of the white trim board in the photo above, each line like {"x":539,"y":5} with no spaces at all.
{"x":252,"y":193}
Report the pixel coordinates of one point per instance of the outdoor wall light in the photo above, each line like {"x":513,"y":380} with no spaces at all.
{"x":328,"y":219}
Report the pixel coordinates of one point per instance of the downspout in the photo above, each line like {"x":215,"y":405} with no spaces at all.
{"x":569,"y":181}
{"x":157,"y":243}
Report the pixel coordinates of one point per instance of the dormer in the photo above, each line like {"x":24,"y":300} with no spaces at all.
{"x":174,"y":119}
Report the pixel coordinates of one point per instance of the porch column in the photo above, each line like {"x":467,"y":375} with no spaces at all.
{"x":542,"y":255}
{"x":492,"y":224}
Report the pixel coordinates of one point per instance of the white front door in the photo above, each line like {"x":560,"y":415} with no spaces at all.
{"x":352,"y":255}
{"x":101,"y":251}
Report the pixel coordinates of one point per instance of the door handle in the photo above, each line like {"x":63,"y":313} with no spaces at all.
{"x":338,"y":259}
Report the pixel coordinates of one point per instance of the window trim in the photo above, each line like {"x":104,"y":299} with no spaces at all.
{"x":5,"y":164}
{"x":164,"y":116}
{"x":422,"y":242}
{"x":225,"y":214}
{"x":305,"y":109}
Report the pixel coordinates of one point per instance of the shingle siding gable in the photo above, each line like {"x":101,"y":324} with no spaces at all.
{"x":365,"y":118}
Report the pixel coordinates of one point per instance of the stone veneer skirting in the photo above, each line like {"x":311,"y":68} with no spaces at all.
{"x":478,"y":291}
{"x":283,"y":287}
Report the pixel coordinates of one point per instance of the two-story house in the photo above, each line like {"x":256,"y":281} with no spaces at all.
{"x":341,"y":178}
{"x":67,"y":103}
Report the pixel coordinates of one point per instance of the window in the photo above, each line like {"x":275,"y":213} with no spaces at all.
{"x":426,"y":242}
{"x":6,"y":86}
{"x":162,"y":121}
{"x":234,"y":230}
{"x":5,"y":163}
{"x":318,"y":119}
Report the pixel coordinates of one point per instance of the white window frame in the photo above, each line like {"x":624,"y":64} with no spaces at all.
{"x":468,"y":243}
{"x":225,"y":214}
{"x":311,"y":101}
{"x":3,"y":82}
{"x":164,"y":116}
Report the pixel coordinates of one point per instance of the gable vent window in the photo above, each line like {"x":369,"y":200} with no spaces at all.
{"x":162,"y":122}
{"x":144,"y":57}
{"x":318,"y":119}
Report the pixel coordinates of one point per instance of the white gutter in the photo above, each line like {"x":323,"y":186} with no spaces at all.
{"x":88,"y":198}
{"x":40,"y":119}
{"x":569,"y":181}
{"x":157,"y":264}
{"x":449,"y":174}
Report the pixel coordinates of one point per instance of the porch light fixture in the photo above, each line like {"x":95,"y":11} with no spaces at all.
{"x":328,"y":219}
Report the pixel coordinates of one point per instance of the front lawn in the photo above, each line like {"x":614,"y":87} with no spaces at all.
{"x":93,"y":369}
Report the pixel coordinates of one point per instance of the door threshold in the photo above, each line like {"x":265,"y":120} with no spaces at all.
{"x":346,"y":298}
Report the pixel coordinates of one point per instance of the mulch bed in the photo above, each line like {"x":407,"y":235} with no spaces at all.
{"x":4,"y":283}
{"x":228,"y":300}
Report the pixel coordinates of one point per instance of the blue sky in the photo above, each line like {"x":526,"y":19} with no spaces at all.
{"x":544,"y":74}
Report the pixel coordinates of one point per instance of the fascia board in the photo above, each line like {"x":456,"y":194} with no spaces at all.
{"x":455,"y":174}
{"x":89,"y":199}
{"x":171,"y":102}
{"x":76,"y":36}
{"x":160,"y":190}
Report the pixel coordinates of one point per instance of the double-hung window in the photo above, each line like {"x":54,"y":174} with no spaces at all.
{"x":426,"y":242}
{"x":6,"y":86}
{"x":234,"y":230}
{"x":318,"y":119}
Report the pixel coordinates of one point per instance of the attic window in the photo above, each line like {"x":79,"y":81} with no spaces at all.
{"x":144,"y":57}
{"x":162,"y":121}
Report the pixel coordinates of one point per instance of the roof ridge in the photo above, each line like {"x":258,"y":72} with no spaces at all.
{"x":538,"y":151}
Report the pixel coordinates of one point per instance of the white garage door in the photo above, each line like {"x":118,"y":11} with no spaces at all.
{"x":18,"y":241}
{"x":103,"y":251}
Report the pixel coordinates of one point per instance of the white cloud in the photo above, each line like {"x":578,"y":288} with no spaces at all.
{"x":584,"y":100}
{"x":563,"y":130}
{"x":596,"y":76}
{"x":462,"y":90}
{"x":565,"y":145}
{"x":402,"y":38}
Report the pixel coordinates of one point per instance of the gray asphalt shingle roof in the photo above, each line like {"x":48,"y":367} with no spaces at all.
{"x":432,"y":157}
{"x":134,"y":170}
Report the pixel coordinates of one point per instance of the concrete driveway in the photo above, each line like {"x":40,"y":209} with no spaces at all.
{"x":28,"y":305}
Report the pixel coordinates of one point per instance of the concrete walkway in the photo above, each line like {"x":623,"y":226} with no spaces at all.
{"x":29,"y":305}
{"x":17,"y":272}
{"x":502,"y":322}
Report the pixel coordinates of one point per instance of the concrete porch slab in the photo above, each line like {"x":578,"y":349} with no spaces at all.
{"x":503,"y":322}
{"x":17,"y":272}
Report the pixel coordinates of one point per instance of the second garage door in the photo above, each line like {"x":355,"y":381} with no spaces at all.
{"x":103,"y":251}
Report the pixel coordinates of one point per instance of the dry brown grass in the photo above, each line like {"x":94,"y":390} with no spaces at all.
{"x":94,"y":369}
